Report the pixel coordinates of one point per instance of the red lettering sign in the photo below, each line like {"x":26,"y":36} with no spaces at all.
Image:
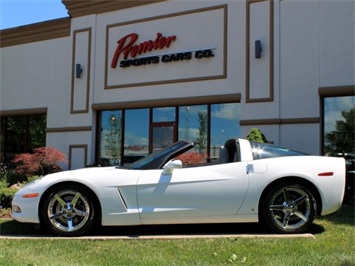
{"x":127,"y":47}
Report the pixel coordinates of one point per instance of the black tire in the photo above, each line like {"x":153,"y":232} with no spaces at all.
{"x":68,"y":210}
{"x":288,"y":208}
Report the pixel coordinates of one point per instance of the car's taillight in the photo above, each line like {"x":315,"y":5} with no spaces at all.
{"x":326,"y":174}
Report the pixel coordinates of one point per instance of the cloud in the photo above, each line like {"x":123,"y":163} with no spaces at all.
{"x":226,"y":111}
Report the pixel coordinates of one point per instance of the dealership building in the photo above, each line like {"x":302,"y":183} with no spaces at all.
{"x":116,"y":80}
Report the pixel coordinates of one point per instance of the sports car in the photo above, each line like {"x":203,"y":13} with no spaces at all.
{"x":251,"y":182}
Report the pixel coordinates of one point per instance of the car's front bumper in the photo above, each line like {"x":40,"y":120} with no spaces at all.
{"x":25,"y":210}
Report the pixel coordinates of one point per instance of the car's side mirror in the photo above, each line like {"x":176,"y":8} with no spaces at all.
{"x":170,"y":166}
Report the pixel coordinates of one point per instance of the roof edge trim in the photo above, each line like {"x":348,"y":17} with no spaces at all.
{"x":51,"y":29}
{"x":87,"y":7}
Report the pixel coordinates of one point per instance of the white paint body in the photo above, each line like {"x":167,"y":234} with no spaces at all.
{"x":220,"y":193}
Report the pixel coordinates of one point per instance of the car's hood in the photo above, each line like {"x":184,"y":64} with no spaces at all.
{"x":91,"y":176}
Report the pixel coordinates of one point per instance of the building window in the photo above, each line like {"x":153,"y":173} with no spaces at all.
{"x":224,"y":125}
{"x":110,"y":137}
{"x":193,"y":126}
{"x":21,"y":134}
{"x":136,"y":135}
{"x":164,"y":114}
{"x":339,"y":116}
{"x":132,"y":134}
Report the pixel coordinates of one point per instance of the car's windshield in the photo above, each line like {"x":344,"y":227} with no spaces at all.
{"x":159,"y":156}
{"x":265,"y":150}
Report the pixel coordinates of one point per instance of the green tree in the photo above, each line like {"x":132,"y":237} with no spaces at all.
{"x":256,"y":135}
{"x":342,"y":138}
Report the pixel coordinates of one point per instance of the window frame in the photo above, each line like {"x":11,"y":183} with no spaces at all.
{"x":27,"y":147}
{"x":152,"y":124}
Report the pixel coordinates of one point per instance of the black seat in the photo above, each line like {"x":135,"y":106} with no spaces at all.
{"x":230,"y":152}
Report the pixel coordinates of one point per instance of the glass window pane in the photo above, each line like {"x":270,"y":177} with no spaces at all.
{"x":339,"y":125}
{"x":110,"y":138}
{"x":163,"y":136}
{"x":224,"y":125}
{"x":37,"y":132}
{"x":15,"y":136}
{"x":164,"y":114}
{"x":136,"y":141}
{"x":193,"y":125}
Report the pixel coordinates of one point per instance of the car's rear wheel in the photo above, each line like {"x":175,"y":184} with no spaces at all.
{"x":288,"y":208}
{"x":69,"y":210}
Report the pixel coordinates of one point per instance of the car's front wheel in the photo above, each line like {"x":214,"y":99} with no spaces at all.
{"x":288,"y":208}
{"x":68,"y":210}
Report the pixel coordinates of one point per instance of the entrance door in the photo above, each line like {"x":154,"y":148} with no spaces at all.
{"x":163,"y":135}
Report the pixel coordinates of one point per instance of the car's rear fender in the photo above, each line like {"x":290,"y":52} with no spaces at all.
{"x":296,"y":180}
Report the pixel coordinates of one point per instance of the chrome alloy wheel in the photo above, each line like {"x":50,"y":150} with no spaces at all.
{"x":290,"y":207}
{"x":68,"y":210}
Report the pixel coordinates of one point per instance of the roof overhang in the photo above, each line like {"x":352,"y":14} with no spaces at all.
{"x":77,"y":8}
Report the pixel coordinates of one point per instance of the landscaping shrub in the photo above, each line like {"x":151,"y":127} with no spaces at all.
{"x":192,"y":158}
{"x":28,"y":167}
{"x":256,"y":135}
{"x":42,"y":161}
{"x":6,"y":196}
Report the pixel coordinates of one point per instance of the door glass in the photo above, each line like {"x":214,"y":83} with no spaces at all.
{"x":163,"y":136}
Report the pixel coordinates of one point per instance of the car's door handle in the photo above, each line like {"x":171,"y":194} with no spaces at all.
{"x":249,"y":169}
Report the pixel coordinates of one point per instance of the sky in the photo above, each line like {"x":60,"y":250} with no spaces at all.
{"x":14,"y":13}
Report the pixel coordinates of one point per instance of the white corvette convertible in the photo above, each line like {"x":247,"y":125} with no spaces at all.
{"x":252,"y":182}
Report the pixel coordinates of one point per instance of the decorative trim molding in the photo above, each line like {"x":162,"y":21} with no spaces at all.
{"x":337,"y":91}
{"x":58,"y":28}
{"x":68,"y":129}
{"x":42,"y":31}
{"x":87,"y":71}
{"x":278,"y":121}
{"x":34,"y":111}
{"x":87,"y":7}
{"x":193,"y":79}
{"x":78,"y":146}
{"x":271,"y":51}
{"x":228,"y":98}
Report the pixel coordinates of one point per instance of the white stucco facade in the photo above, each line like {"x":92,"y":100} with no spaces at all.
{"x":307,"y":50}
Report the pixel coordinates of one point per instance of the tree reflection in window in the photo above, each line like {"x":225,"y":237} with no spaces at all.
{"x":22,"y":134}
{"x":110,"y":151}
{"x":339,"y":128}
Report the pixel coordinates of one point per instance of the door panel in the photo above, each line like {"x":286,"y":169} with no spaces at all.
{"x":192,"y":192}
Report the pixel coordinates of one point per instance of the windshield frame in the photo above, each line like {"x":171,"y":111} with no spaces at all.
{"x":158,"y":159}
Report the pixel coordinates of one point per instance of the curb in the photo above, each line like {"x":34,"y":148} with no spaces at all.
{"x":161,"y":237}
